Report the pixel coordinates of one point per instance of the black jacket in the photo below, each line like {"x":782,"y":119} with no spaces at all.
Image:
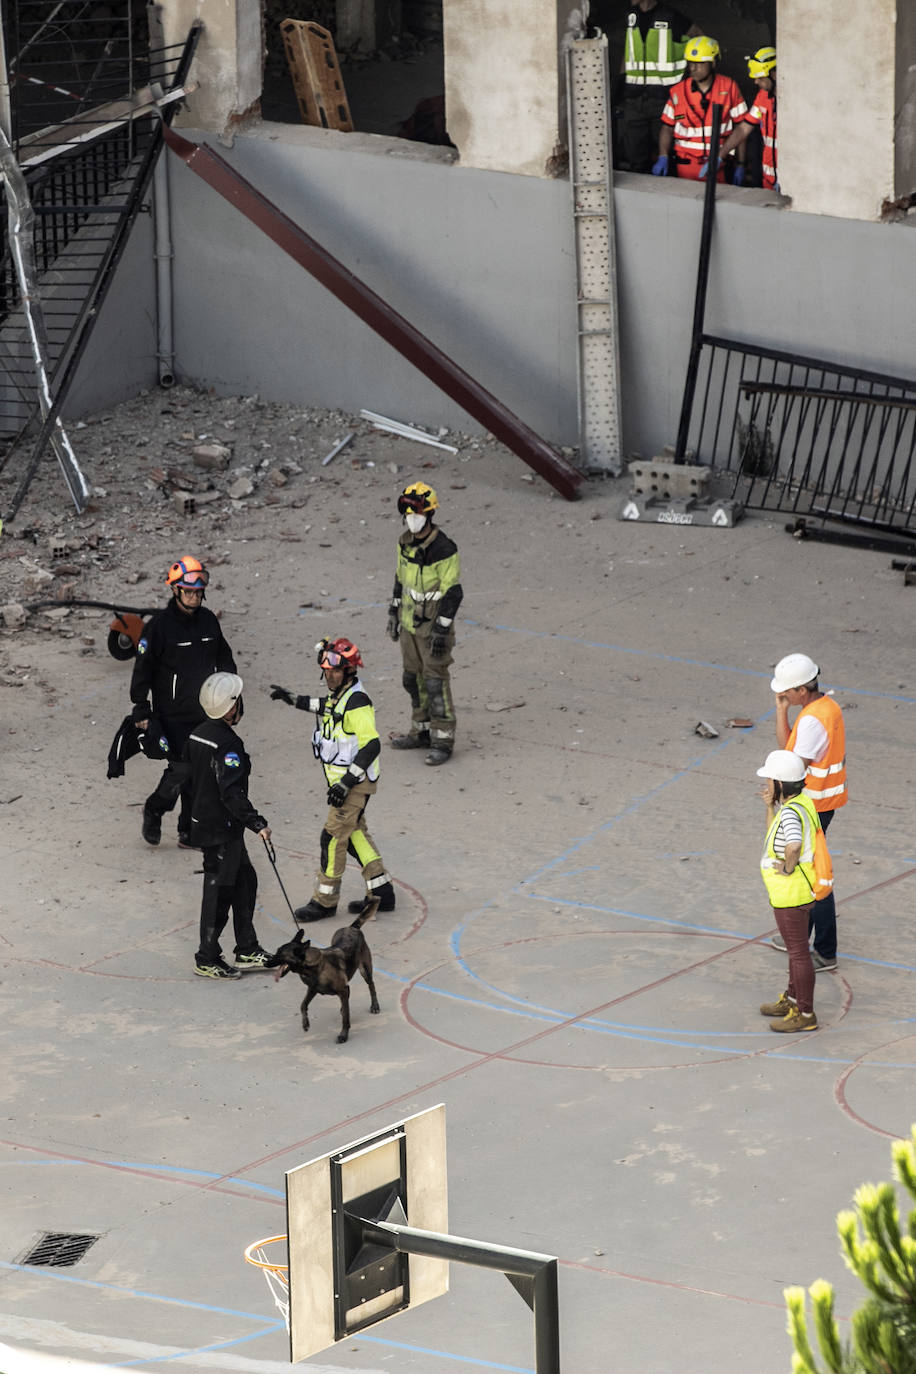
{"x":175,"y":655}
{"x":220,"y":768}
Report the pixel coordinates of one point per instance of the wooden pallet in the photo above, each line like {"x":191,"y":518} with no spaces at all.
{"x":314,"y":69}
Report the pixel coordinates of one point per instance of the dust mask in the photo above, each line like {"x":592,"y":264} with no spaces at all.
{"x":415,"y":523}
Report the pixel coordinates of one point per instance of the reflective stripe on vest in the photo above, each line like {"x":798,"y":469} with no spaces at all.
{"x":795,"y":888}
{"x":825,"y":782}
{"x":334,"y":746}
{"x":655,"y":61}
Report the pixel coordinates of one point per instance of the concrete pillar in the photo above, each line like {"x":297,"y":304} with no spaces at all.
{"x":905,"y":150}
{"x":837,"y":105}
{"x":229,"y":63}
{"x":502,"y":91}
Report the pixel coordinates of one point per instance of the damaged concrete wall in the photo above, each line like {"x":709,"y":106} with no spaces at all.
{"x":837,"y":105}
{"x":483,"y":264}
{"x":479,"y":262}
{"x":905,"y":125}
{"x":501,"y":83}
{"x":229,"y":62}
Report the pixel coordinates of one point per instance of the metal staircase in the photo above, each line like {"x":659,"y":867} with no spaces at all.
{"x":70,"y":203}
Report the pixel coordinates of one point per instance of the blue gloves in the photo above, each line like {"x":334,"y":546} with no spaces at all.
{"x":739,"y":175}
{"x":705,"y":168}
{"x":660,"y":167}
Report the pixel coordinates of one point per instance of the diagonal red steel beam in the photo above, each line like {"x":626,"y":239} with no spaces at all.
{"x":378,"y":315}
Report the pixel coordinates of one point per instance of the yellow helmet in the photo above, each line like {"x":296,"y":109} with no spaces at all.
{"x":701,"y":50}
{"x":762,"y":63}
{"x":418,"y":498}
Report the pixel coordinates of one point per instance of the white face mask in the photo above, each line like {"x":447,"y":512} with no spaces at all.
{"x":415,"y":523}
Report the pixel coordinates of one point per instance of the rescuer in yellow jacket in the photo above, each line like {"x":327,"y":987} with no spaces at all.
{"x":346,"y":743}
{"x":421,"y":614}
{"x":787,"y":868}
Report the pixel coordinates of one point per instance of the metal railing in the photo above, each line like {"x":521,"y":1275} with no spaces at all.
{"x":807,"y":437}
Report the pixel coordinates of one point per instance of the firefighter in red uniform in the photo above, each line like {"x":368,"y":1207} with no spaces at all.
{"x":762,"y":114}
{"x":687,"y":117}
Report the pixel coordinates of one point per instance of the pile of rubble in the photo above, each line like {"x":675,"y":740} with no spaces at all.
{"x":183,"y":468}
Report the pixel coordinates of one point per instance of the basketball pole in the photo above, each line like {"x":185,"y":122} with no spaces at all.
{"x":533,"y":1276}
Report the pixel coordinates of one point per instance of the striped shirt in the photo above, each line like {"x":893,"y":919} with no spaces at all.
{"x":788,"y":831}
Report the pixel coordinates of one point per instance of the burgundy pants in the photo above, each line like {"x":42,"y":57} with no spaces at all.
{"x":793,"y":927}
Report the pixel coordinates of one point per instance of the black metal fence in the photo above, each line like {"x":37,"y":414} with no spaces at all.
{"x":807,"y":437}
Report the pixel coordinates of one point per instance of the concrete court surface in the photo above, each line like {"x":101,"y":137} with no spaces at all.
{"x":574,"y":966}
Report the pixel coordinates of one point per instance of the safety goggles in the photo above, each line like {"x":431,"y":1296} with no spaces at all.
{"x":331,"y":659}
{"x":411,"y":503}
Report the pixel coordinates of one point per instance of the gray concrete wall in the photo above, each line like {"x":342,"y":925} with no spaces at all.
{"x":479,"y":262}
{"x":482,"y":263}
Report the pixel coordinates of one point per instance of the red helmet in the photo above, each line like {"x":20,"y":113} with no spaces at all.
{"x":338,"y":653}
{"x":188,"y":572}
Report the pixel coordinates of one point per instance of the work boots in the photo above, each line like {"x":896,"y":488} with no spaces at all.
{"x":795,"y":1021}
{"x":781,"y":1007}
{"x":418,"y":741}
{"x":386,"y":897}
{"x":314,"y":911}
{"x":151,"y":827}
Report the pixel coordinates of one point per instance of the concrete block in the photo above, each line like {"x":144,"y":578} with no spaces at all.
{"x":668,"y":481}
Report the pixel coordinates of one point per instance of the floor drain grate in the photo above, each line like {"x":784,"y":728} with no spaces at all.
{"x":59,"y":1248}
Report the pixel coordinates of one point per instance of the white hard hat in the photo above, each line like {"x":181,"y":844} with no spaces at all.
{"x":795,"y":670}
{"x":783,"y":766}
{"x":219,"y":694}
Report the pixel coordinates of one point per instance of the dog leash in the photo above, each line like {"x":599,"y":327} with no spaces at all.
{"x":272,"y":855}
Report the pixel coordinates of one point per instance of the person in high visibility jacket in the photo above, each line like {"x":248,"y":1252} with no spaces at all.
{"x":686,"y":127}
{"x":787,"y":869}
{"x":346,"y":744}
{"x":818,"y":737}
{"x":421,"y":615}
{"x":653,"y":60}
{"x":762,"y":114}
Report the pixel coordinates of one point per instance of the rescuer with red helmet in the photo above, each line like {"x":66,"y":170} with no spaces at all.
{"x":346,"y":743}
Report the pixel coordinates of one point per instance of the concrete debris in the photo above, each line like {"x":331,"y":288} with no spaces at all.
{"x":211,"y":456}
{"x":183,"y":502}
{"x":705,"y":731}
{"x":504,"y":705}
{"x":741,"y":723}
{"x":241,"y":487}
{"x":14,"y":615}
{"x":278,"y":478}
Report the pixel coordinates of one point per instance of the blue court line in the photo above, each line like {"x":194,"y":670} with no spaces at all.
{"x":151,"y":1168}
{"x":42,"y":1272}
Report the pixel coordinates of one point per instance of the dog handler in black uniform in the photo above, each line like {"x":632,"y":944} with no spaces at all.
{"x":220,"y":815}
{"x":180,"y":646}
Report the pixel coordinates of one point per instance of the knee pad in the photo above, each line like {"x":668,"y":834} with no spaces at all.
{"x":435,"y":690}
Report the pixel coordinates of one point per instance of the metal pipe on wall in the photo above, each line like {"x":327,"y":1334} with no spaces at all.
{"x":162,"y":213}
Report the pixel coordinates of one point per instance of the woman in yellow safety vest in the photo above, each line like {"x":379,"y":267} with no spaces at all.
{"x":787,"y":867}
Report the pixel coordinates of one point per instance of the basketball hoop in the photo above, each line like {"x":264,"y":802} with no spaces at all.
{"x":276,"y":1274}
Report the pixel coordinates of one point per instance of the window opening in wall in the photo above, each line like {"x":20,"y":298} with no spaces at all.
{"x":391,"y":61}
{"x":740,"y":27}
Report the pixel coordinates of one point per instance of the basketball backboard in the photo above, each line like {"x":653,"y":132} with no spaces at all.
{"x":337,"y":1283}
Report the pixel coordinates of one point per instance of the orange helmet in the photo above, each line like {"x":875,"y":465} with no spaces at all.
{"x":188,"y":572}
{"x":338,"y":653}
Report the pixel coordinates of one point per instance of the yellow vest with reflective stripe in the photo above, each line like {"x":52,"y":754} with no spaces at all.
{"x":656,"y":61}
{"x":795,"y":888}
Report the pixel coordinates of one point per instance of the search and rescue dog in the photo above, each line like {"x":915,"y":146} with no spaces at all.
{"x":329,"y":971}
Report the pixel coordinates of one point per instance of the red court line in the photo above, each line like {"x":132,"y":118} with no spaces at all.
{"x":143,"y":1173}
